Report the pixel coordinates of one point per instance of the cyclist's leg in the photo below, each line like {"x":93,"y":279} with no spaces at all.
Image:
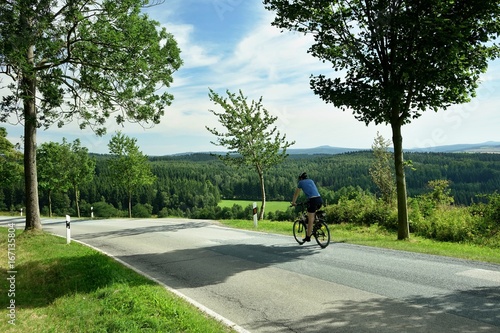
{"x":310,"y":222}
{"x":313,"y":205}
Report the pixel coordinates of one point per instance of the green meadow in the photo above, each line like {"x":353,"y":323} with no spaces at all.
{"x":271,"y":206}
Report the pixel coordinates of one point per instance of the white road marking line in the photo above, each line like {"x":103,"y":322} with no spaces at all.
{"x":482,"y":274}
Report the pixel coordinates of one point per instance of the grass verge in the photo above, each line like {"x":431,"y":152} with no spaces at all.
{"x":271,"y":206}
{"x":63,"y":287}
{"x":379,"y":237}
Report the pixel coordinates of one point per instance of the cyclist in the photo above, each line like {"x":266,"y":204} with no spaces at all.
{"x":314,"y":201}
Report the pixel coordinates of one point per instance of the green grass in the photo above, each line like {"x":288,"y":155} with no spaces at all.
{"x":71,"y":288}
{"x":271,"y":206}
{"x":379,"y":237}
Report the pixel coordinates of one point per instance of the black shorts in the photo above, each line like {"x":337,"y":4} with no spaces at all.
{"x":314,"y":204}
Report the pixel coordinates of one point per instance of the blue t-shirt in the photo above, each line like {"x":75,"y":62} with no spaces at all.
{"x":309,"y":188}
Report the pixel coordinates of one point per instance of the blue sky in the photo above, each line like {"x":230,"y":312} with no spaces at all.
{"x":231,"y":45}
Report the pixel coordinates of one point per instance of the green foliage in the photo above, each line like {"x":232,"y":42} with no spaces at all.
{"x":248,"y":137}
{"x":81,"y":170}
{"x":392,"y":70}
{"x":248,"y":133}
{"x":489,"y":214}
{"x":88,"y":60}
{"x":10,"y":162}
{"x":362,"y":209}
{"x":105,"y":210}
{"x":62,"y":166}
{"x":447,"y":224}
{"x":126,"y":55}
{"x":129,"y":168}
{"x":381,"y":170}
{"x":142,"y":211}
{"x":440,"y":194}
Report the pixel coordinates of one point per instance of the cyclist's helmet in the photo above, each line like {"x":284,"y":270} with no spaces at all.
{"x":303,"y":175}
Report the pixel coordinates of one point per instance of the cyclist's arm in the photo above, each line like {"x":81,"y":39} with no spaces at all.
{"x":295,"y":196}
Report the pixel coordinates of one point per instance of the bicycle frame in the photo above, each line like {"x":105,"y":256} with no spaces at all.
{"x":320,"y":232}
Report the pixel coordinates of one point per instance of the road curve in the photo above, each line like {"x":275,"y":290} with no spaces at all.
{"x":268,"y":283}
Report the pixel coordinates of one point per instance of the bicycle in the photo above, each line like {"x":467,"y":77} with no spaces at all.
{"x":320,"y":230}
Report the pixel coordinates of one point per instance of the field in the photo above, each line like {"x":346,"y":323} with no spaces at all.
{"x":271,"y":206}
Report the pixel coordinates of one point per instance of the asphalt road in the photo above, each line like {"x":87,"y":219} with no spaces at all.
{"x":268,"y":283}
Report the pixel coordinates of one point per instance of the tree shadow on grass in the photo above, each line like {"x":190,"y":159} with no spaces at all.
{"x":39,"y":283}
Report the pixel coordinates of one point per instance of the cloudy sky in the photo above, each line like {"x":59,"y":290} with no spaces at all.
{"x":231,"y":45}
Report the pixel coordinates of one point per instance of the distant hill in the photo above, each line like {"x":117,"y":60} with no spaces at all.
{"x":486,"y":147}
{"x":322,"y":150}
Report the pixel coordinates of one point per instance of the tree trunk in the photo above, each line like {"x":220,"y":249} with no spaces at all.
{"x":130,"y":205}
{"x":77,"y":199}
{"x":30,"y":174}
{"x":50,"y":203}
{"x":397,"y":139}
{"x":263,"y":192}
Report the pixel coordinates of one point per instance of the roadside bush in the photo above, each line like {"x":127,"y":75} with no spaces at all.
{"x":448,"y":225}
{"x":365,"y":209}
{"x":163,"y":212}
{"x":288,"y":215}
{"x":142,"y":211}
{"x":489,"y":214}
{"x":224,"y":214}
{"x":103,"y":209}
{"x":203,"y":213}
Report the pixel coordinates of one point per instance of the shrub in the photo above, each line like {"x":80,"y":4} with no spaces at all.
{"x":224,"y":214}
{"x":103,"y":209}
{"x":489,"y":214}
{"x":142,"y":211}
{"x":448,"y":225}
{"x":288,"y":215}
{"x":163,"y":213}
{"x":365,"y":209}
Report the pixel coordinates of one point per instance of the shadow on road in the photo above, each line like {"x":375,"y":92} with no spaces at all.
{"x":142,"y":230}
{"x":196,"y":267}
{"x":389,"y":315}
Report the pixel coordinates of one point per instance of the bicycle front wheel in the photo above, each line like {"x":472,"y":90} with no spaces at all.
{"x":322,"y":234}
{"x":299,"y":231}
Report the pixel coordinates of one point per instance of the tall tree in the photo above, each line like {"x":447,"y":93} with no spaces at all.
{"x":53,"y":168}
{"x":129,"y":168}
{"x":81,"y":169}
{"x":83,"y":59}
{"x":249,"y":136}
{"x":381,"y":171}
{"x":398,"y":58}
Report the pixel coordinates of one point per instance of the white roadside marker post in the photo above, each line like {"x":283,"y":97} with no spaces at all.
{"x":68,"y":229}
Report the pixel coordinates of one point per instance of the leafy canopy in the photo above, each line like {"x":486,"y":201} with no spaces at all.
{"x":249,"y":136}
{"x":90,"y":59}
{"x":395,"y":58}
{"x":129,"y":167}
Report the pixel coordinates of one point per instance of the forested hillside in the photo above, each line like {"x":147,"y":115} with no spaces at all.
{"x":469,"y":174}
{"x":192,"y":185}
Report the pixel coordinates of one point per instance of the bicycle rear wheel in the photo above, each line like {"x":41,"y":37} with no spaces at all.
{"x":321,"y":234}
{"x":299,"y":231}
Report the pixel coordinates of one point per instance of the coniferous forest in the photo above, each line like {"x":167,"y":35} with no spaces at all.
{"x":192,"y":185}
